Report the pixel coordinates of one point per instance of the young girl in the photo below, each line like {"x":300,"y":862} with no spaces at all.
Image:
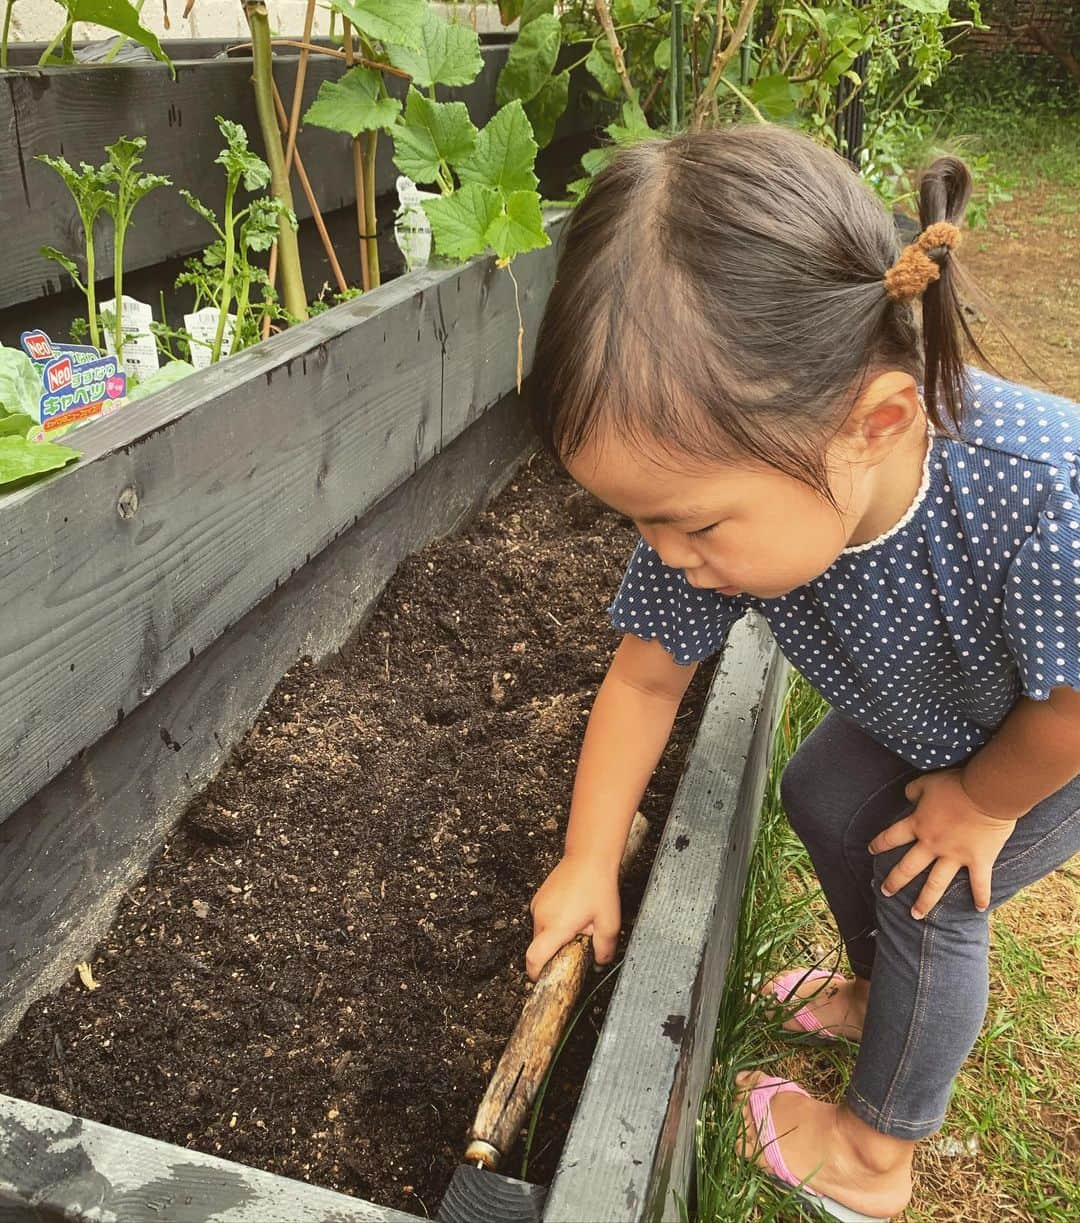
{"x":732,"y":357}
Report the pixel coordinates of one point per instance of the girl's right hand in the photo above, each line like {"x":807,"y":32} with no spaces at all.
{"x":578,"y":897}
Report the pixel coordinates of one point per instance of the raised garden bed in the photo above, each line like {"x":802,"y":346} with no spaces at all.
{"x":152,"y":598}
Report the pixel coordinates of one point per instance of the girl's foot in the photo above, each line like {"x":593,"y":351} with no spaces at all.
{"x":835,"y":1006}
{"x":824,"y":1146}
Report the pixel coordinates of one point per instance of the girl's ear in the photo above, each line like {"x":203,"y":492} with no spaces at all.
{"x":884,"y":413}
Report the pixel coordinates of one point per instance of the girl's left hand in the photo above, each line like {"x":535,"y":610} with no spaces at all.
{"x":949,"y":832}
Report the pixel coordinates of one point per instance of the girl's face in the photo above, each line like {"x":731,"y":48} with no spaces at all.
{"x":750,"y":529}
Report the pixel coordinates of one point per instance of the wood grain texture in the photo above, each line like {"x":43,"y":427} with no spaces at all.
{"x":629,"y":1153}
{"x":68,"y":854}
{"x":478,"y":1196}
{"x":57,"y":1167}
{"x":77,"y":111}
{"x":243,"y":472}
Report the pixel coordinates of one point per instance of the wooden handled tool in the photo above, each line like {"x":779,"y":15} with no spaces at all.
{"x":531,"y":1047}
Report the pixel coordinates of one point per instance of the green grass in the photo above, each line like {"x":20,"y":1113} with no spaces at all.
{"x":1010,"y":1146}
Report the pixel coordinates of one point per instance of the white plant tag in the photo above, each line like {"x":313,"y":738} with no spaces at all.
{"x":140,"y":351}
{"x":202,"y":327}
{"x":412,"y":232}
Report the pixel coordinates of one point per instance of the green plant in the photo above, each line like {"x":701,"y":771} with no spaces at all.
{"x":89,"y":187}
{"x":486,"y":178}
{"x":22,"y":460}
{"x":118,"y":15}
{"x":680,"y":64}
{"x":224,"y":274}
{"x":122,"y":171}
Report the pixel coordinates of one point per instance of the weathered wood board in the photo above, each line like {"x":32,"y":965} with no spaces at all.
{"x":190,"y":507}
{"x":55,"y":1168}
{"x":68,"y":854}
{"x":629,"y":1154}
{"x":77,"y":111}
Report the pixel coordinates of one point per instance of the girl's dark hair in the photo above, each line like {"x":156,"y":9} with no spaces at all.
{"x":721,"y":293}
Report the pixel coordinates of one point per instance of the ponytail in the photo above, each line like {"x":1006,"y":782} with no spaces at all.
{"x":944,"y":191}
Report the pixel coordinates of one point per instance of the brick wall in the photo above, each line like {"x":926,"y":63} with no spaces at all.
{"x":1059,"y":17}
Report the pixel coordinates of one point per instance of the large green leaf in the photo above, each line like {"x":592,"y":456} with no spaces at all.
{"x":120,"y":16}
{"x":18,"y":425}
{"x":634,"y":126}
{"x":352,"y":104}
{"x":519,"y":227}
{"x":433,"y":132}
{"x":531,"y":60}
{"x":448,"y":54}
{"x":460,"y":221}
{"x":20,"y":382}
{"x":926,"y":6}
{"x":602,"y":67}
{"x":628,"y":11}
{"x":547,"y":108}
{"x":398,"y":23}
{"x":505,"y":153}
{"x":157,"y":381}
{"x":774,"y":95}
{"x":21,"y":460}
{"x":531,"y":9}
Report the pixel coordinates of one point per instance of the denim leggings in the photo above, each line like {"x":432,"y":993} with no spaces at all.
{"x":928,"y":979}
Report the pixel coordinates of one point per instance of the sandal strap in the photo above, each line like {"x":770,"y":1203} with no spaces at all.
{"x":761,"y":1098}
{"x":788,"y":982}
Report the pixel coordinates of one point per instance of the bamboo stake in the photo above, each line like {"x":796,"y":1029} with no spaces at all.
{"x":358,"y":174}
{"x":315,"y":49}
{"x":298,"y":87}
{"x":313,"y":204}
{"x":604,"y":13}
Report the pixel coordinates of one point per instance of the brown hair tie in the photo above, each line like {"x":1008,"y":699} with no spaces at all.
{"x":914,"y":270}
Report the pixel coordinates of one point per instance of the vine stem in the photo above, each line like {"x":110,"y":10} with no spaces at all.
{"x":46,"y":55}
{"x":604,"y":13}
{"x":521,"y":329}
{"x":722,"y":56}
{"x":91,"y":287}
{"x":226,"y":277}
{"x":7,"y":31}
{"x":292,"y":277}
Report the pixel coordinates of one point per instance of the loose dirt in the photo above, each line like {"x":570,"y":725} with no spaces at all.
{"x":319,"y":971}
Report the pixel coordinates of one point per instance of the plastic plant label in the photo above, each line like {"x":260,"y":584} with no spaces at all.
{"x":412,"y":231}
{"x":202,"y":327}
{"x":78,"y":384}
{"x":140,"y":351}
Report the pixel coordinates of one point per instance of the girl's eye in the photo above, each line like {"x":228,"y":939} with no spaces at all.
{"x":704,"y":530}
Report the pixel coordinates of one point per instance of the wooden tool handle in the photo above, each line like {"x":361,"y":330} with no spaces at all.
{"x":531,"y":1047}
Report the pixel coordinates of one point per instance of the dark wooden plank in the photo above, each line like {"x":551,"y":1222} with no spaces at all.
{"x":77,"y":111}
{"x":629,"y":1153}
{"x":57,"y":1167}
{"x":242,"y":473}
{"x":478,"y":1196}
{"x":68,"y":854}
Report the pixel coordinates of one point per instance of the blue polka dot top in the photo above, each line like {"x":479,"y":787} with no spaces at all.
{"x":926,"y":636}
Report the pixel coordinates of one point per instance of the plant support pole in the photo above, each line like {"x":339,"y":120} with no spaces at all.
{"x":358,"y":175}
{"x":293,"y":294}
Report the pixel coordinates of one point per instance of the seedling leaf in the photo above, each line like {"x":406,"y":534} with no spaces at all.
{"x":398,"y":22}
{"x":460,"y":222}
{"x":531,"y":60}
{"x":434,"y":132}
{"x":353,"y":104}
{"x":22,"y":460}
{"x":448,"y":54}
{"x":519,"y":227}
{"x":505,"y":153}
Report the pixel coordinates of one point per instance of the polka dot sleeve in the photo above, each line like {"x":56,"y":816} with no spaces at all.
{"x":1041,"y":614}
{"x":656,"y":601}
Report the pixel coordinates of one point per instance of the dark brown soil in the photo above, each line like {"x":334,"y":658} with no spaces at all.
{"x":320,"y":970}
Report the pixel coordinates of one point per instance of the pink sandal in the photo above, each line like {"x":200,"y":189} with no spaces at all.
{"x":783,"y":990}
{"x":760,"y":1099}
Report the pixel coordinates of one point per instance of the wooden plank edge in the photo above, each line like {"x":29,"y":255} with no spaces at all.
{"x":628,"y":1155}
{"x":54,"y":1166}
